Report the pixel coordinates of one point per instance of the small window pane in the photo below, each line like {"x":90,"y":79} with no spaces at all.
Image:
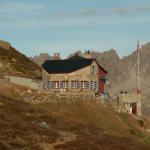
{"x":64,"y":85}
{"x":93,"y":85}
{"x":74,"y":84}
{"x":84,"y":84}
{"x":93,"y":69}
{"x":55,"y":84}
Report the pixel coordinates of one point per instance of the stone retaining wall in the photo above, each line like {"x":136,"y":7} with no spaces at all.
{"x":27,"y":82}
{"x":56,"y":98}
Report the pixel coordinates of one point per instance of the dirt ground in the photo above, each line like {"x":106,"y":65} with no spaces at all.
{"x":74,"y":126}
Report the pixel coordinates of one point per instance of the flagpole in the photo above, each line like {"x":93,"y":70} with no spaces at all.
{"x":139,"y":84}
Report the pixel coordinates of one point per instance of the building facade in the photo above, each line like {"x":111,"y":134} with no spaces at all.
{"x":73,"y":74}
{"x":129,"y":103}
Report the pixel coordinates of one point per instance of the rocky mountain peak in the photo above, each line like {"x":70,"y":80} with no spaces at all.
{"x":41,"y":58}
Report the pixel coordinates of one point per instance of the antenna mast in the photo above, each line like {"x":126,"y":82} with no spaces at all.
{"x":139,"y":84}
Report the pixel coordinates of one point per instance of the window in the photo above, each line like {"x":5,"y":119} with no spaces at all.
{"x":93,"y":85}
{"x":47,"y":85}
{"x":55,"y":84}
{"x":75,"y":85}
{"x":84,"y":84}
{"x":64,"y":85}
{"x":93,"y":69}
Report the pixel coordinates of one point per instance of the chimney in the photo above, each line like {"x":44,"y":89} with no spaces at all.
{"x":87,"y":54}
{"x":57,"y":56}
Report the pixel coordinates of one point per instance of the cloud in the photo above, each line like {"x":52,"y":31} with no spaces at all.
{"x":133,"y":9}
{"x":9,"y":7}
{"x":74,"y":14}
{"x":88,"y":12}
{"x":30,"y":14}
{"x":45,"y":22}
{"x":120,"y":10}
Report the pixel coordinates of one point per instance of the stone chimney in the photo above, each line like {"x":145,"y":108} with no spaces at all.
{"x":57,"y":56}
{"x":87,"y":54}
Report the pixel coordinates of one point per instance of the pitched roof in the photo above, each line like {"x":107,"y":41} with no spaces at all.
{"x":67,"y":65}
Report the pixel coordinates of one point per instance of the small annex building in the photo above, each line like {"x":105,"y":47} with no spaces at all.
{"x":73,"y":74}
{"x":129,"y":103}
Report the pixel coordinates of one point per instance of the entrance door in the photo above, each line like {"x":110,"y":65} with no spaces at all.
{"x":134,"y":108}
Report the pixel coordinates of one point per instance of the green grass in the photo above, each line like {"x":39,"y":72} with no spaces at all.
{"x":145,"y":139}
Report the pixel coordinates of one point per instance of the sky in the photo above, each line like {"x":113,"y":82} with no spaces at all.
{"x":65,"y":26}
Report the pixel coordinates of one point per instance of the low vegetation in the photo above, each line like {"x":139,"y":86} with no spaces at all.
{"x":70,"y":126}
{"x":13,"y":62}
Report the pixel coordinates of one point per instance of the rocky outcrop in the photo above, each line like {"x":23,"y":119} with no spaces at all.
{"x":41,"y":58}
{"x":122,"y":72}
{"x":5,"y":45}
{"x":13,"y":62}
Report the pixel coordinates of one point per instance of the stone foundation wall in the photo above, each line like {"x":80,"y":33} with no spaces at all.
{"x":57,"y":98}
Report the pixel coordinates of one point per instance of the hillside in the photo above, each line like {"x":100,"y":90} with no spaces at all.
{"x":13,"y":62}
{"x":65,"y":125}
{"x":69,"y":126}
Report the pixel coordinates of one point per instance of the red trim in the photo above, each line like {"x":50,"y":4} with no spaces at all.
{"x":64,"y":81}
{"x":100,"y":66}
{"x":134,"y":108}
{"x":101,"y":81}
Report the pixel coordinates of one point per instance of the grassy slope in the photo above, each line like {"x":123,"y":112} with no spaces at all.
{"x":15,"y":62}
{"x":96,"y":127}
{"x":20,"y":126}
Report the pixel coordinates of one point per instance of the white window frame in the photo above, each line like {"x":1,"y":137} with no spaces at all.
{"x":64,"y":84}
{"x":84,"y":84}
{"x":94,"y":85}
{"x":55,"y":84}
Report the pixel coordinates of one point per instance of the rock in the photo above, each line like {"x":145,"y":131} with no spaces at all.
{"x":1,"y":65}
{"x":14,"y":60}
{"x":1,"y":103}
{"x":148,"y":130}
{"x":44,"y":125}
{"x":5,"y":45}
{"x":29,"y":91}
{"x":7,"y":66}
{"x":27,"y":114}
